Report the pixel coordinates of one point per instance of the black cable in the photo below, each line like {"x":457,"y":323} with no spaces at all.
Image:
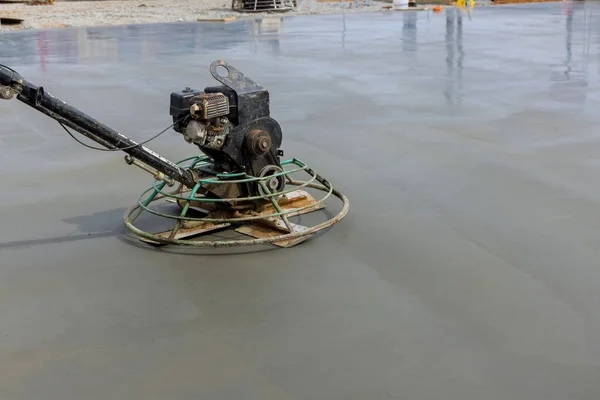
{"x":100,"y":148}
{"x":120,"y":148}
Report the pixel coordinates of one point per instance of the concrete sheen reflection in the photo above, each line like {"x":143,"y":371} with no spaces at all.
{"x":571,"y":75}
{"x":268,"y":31}
{"x":455,"y":55}
{"x":119,"y":43}
{"x":452,"y":54}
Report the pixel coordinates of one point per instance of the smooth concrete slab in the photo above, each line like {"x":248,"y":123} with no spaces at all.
{"x":467,"y":269}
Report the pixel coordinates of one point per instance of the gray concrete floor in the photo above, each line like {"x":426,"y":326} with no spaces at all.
{"x":468,"y":267}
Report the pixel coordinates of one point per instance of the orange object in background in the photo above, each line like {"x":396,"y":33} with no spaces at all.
{"x":437,"y":8}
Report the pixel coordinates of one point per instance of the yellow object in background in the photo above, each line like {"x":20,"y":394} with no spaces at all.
{"x":463,"y":3}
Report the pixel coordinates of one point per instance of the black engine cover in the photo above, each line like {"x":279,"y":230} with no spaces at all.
{"x":249,"y":113}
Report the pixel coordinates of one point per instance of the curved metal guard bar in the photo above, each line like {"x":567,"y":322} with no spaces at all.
{"x":149,"y":202}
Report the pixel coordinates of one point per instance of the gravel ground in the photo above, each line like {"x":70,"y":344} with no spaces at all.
{"x":88,"y":13}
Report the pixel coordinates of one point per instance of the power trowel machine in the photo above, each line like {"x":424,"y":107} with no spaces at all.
{"x":237,"y":192}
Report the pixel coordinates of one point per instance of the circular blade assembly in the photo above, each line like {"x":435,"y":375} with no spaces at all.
{"x":282,"y":199}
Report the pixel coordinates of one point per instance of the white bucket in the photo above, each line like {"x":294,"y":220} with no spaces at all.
{"x":400,"y":4}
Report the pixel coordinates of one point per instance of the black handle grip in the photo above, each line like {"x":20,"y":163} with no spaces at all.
{"x":8,"y":76}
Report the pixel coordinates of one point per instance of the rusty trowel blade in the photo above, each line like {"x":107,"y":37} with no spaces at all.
{"x":260,"y":231}
{"x":184,"y":233}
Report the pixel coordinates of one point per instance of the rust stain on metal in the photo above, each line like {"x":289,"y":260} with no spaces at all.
{"x":188,"y":230}
{"x":299,"y":200}
{"x":295,"y":199}
{"x":261,"y":231}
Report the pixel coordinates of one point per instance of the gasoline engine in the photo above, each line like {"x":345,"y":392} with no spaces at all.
{"x":232,"y":125}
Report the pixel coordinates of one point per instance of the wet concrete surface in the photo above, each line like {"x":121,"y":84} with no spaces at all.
{"x":468,"y":267}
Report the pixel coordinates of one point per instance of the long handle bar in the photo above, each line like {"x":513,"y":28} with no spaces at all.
{"x":36,"y":97}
